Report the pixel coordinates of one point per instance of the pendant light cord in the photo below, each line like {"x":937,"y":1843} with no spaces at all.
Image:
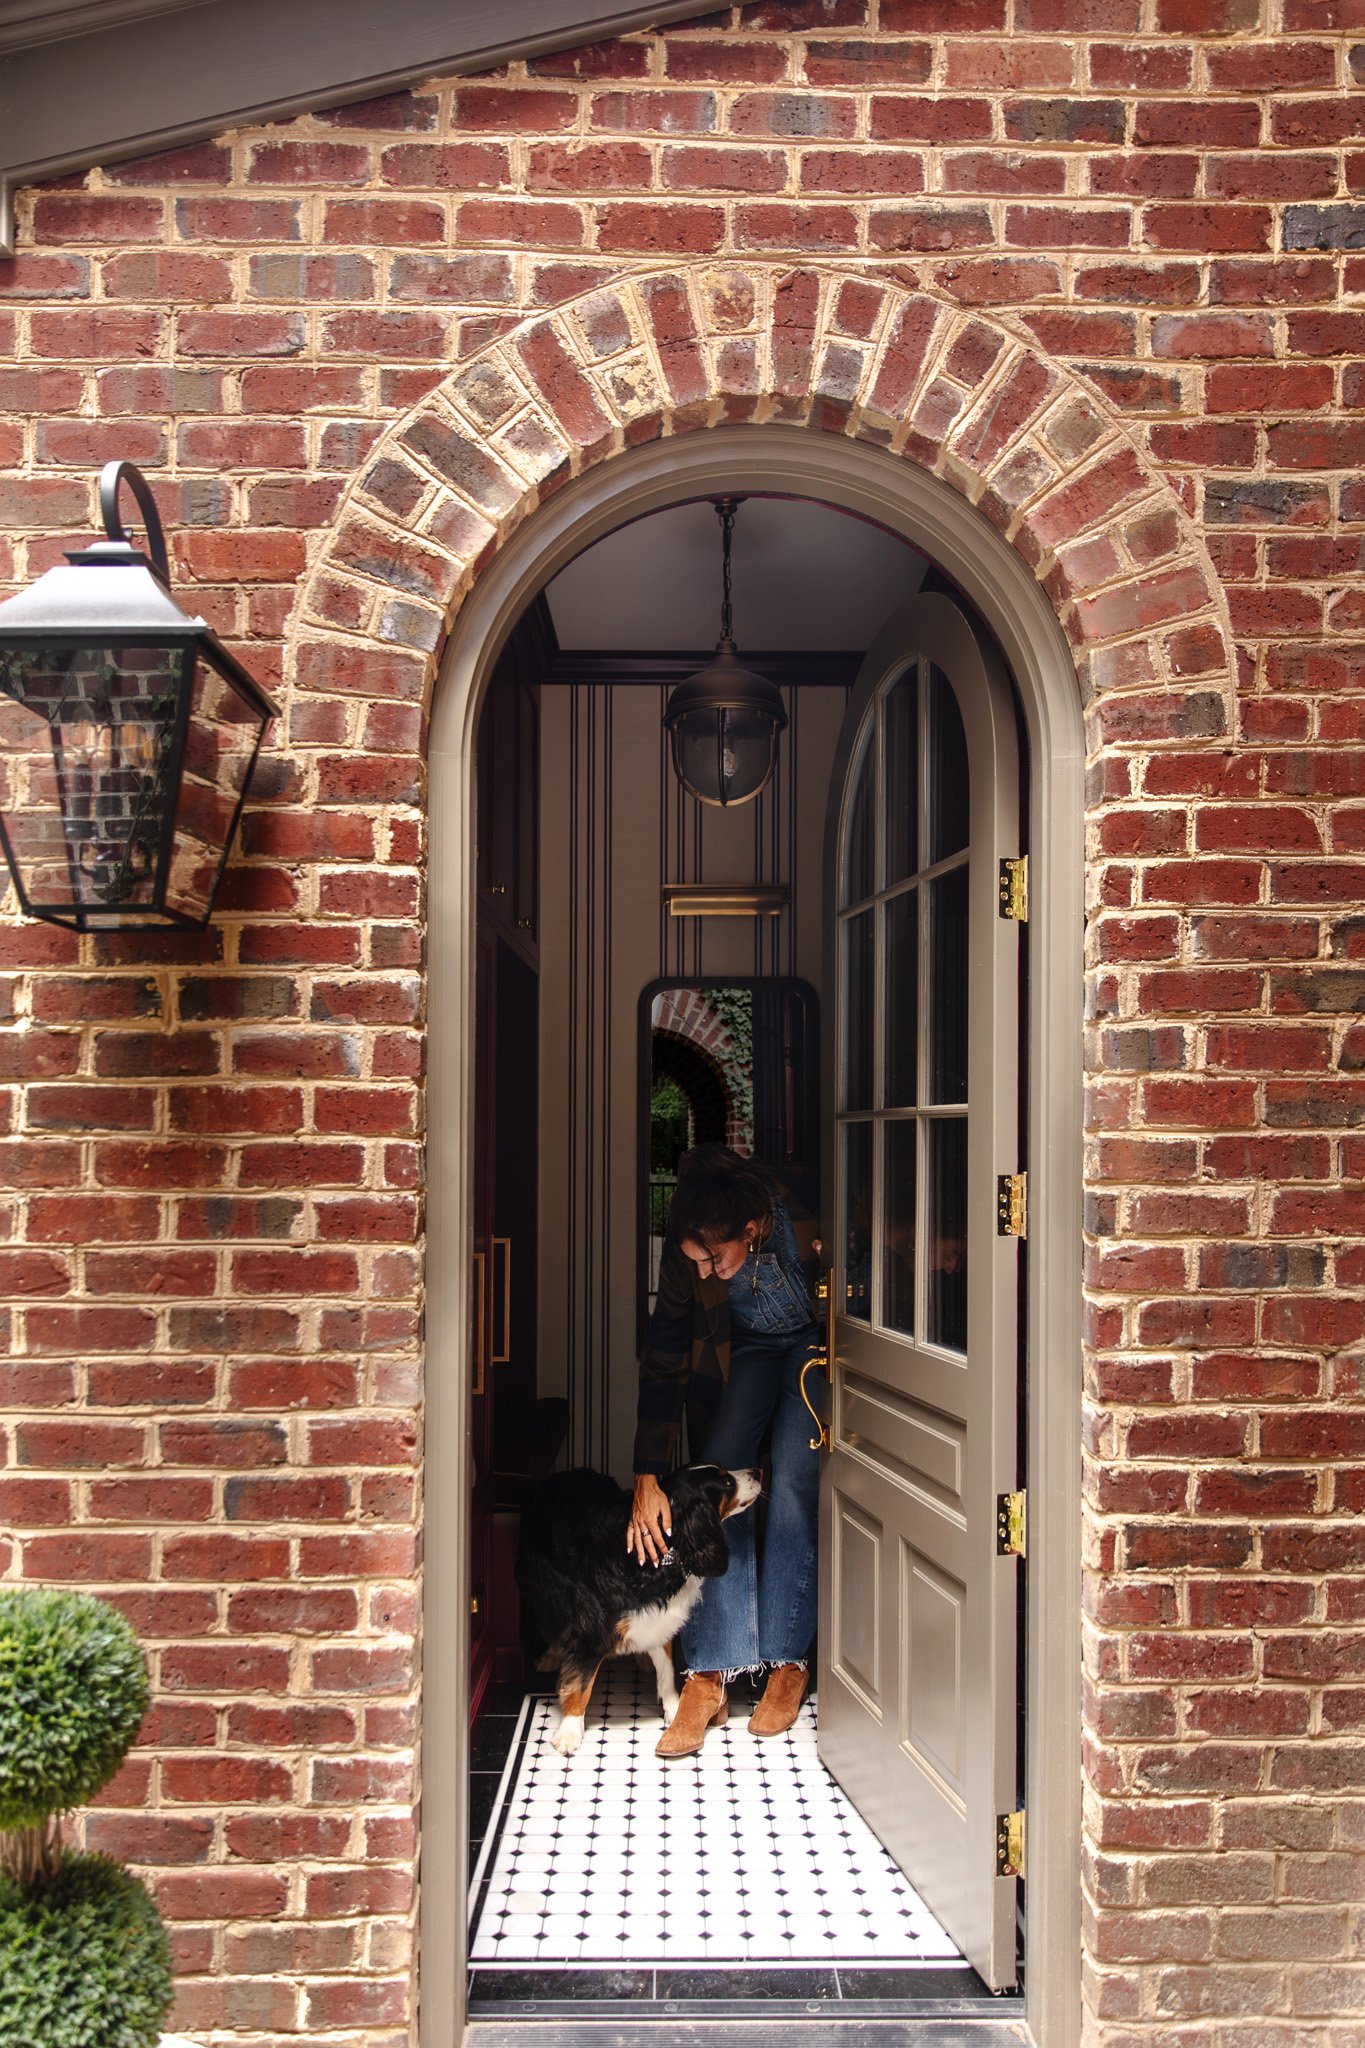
{"x":725,"y":512}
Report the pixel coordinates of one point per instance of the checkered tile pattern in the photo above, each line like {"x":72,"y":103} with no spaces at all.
{"x":748,"y":1853}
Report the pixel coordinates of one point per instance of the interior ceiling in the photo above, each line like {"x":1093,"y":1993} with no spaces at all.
{"x":805,"y":579}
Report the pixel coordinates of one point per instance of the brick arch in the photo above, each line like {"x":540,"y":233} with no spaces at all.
{"x":671,"y":351}
{"x":668,"y":351}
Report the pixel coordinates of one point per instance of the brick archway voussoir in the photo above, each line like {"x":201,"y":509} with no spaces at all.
{"x":679,"y":349}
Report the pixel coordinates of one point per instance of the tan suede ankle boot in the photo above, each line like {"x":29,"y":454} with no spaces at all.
{"x":703,"y":1705}
{"x":781,"y":1701}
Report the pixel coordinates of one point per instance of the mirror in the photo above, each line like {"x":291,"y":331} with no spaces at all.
{"x":732,"y":1061}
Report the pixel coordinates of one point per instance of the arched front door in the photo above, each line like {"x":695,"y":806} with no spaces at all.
{"x":918,"y":1672}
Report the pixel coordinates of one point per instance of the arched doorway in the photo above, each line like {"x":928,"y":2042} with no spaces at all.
{"x":864,"y":481}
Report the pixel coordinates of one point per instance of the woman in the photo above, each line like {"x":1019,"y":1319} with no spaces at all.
{"x":731,"y":1329}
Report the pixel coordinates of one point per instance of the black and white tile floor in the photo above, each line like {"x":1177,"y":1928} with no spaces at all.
{"x":745,"y":1858}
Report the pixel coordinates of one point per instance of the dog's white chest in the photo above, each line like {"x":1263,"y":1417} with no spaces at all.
{"x":656,"y":1626}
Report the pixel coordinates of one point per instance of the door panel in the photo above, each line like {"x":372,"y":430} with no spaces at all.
{"x":899,"y":1436}
{"x":931,"y":1687}
{"x":918,"y":1678}
{"x":858,"y":1543}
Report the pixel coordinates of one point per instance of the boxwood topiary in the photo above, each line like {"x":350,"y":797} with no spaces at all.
{"x":84,"y":1960}
{"x":73,"y":1691}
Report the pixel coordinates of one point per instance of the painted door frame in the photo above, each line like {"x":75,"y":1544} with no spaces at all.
{"x":864,"y":480}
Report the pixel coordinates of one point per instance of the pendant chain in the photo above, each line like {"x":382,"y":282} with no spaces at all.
{"x":725,"y":509}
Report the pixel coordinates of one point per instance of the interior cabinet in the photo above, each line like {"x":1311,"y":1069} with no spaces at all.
{"x":513,"y":1436}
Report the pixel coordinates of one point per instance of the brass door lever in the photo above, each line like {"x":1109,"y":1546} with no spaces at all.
{"x":823,"y":1356}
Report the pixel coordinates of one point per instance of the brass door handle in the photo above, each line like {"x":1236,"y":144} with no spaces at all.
{"x":821,"y":1440}
{"x":504,"y":1351}
{"x":480,"y":1321}
{"x":823,"y":1356}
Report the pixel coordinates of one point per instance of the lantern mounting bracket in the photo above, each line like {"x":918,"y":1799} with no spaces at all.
{"x":117,"y":550}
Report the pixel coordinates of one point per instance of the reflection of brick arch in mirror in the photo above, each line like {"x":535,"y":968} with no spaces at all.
{"x":700,"y":1081}
{"x":695,"y":1044}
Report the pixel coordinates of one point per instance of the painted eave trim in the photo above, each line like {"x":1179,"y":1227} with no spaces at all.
{"x":180,"y":73}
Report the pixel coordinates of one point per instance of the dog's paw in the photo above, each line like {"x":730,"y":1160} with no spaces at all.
{"x":568,"y":1735}
{"x":669,"y":1704}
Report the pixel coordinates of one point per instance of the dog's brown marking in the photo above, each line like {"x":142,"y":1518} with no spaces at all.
{"x":622,"y":1631}
{"x":574,"y":1693}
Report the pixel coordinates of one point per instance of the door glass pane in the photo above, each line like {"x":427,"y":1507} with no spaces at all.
{"x":857,"y":1222}
{"x":898,"y":1226}
{"x":902,"y":777}
{"x":946,"y":1226}
{"x":901,"y":1020}
{"x":857,"y":884}
{"x":858,"y":1012}
{"x":947,"y":937}
{"x":947,"y":778}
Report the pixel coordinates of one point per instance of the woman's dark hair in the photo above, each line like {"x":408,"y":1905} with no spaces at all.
{"x":718,"y":1195}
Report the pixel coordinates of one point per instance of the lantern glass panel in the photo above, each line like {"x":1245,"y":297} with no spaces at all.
{"x":221,"y":736}
{"x":90,"y":732}
{"x":724,"y":756}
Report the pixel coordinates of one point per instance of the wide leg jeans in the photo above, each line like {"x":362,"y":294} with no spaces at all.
{"x":763,"y":1610}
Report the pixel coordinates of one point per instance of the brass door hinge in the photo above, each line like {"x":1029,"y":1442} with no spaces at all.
{"x":1009,"y":1525}
{"x":1014,"y":889}
{"x":1009,"y":1844}
{"x":1011,"y":1205}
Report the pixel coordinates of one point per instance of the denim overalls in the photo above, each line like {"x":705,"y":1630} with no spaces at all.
{"x":763,"y":1611}
{"x":768,"y":1296}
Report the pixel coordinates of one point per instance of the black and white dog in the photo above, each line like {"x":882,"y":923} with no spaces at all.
{"x":590,"y":1598}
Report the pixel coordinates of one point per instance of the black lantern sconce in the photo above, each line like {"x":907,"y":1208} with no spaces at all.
{"x":128,"y":736}
{"x":723,"y":722}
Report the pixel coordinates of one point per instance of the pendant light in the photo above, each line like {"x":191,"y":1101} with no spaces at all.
{"x":724,"y":721}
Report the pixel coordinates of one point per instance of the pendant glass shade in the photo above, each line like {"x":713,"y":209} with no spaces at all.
{"x":723,"y":725}
{"x":128,"y":734}
{"x":723,"y":722}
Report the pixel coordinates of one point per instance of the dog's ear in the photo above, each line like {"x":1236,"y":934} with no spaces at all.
{"x":698,"y":1539}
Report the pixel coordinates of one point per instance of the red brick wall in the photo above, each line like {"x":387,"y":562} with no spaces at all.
{"x":1098,"y":262}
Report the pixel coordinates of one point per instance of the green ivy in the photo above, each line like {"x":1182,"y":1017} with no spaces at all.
{"x":84,"y":1960}
{"x":73,"y":1691}
{"x":736,"y":1006}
